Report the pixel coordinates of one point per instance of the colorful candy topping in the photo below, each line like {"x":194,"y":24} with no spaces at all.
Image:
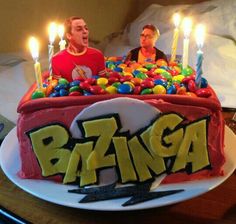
{"x":131,"y":78}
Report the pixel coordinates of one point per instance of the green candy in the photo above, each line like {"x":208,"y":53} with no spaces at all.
{"x":187,"y":71}
{"x":116,"y":84}
{"x":63,"y":81}
{"x":74,"y":88}
{"x":146,"y":91}
{"x":37,"y":94}
{"x":150,"y":66}
{"x":141,"y":75}
{"x":166,"y":75}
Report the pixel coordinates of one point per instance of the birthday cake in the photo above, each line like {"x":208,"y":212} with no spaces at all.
{"x":132,"y":125}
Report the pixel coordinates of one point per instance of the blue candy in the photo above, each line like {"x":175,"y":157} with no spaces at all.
{"x":136,"y":72}
{"x":54,"y":94}
{"x":171,"y":90}
{"x":204,"y":83}
{"x":160,"y":82}
{"x":60,"y":86}
{"x":85,"y":93}
{"x":124,"y":88}
{"x":75,"y":83}
{"x":63,"y":92}
{"x":118,"y":69}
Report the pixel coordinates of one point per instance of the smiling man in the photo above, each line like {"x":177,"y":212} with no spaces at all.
{"x":147,"y":50}
{"x":78,"y":59}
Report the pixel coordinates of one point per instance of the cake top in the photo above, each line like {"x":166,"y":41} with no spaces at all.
{"x":130,"y":78}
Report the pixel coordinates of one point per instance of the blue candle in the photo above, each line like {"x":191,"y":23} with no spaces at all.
{"x":200,"y":36}
{"x":198,"y":77}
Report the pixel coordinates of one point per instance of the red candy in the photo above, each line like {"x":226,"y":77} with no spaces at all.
{"x":137,"y":90}
{"x":111,"y":80}
{"x":204,"y":92}
{"x":192,"y":86}
{"x":125,"y":78}
{"x":97,"y":90}
{"x":75,"y":93}
{"x":147,"y":83}
{"x":187,"y":79}
{"x":85,"y":86}
{"x":90,"y":81}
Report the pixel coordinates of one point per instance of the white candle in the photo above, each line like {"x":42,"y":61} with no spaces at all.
{"x":52,"y":35}
{"x":200,"y":36}
{"x":62,"y":42}
{"x":34,"y":49}
{"x":176,"y":19}
{"x":187,"y":25}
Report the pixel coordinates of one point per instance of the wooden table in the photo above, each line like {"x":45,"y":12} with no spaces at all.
{"x":215,"y":206}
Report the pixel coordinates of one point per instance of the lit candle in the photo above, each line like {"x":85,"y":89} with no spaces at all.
{"x":52,"y":35}
{"x":62,"y":42}
{"x":176,"y":19}
{"x":187,"y":25}
{"x":200,"y":36}
{"x":34,"y":49}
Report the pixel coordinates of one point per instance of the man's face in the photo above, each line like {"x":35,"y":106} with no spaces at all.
{"x":147,"y":38}
{"x":79,"y":34}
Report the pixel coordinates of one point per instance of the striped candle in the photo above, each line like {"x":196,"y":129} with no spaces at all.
{"x":187,"y":25}
{"x":200,"y":35}
{"x":52,"y":35}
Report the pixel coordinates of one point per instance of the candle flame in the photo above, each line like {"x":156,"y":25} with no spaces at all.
{"x":176,"y":19}
{"x":60,"y":31}
{"x":52,"y":29}
{"x":187,"y":26}
{"x":34,"y":48}
{"x":200,"y":35}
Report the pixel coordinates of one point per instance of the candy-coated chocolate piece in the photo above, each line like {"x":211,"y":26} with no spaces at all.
{"x":124,"y":89}
{"x":54,"y":82}
{"x":147,"y":83}
{"x":159,"y":89}
{"x":204,"y":83}
{"x":137,"y":90}
{"x":111,"y":89}
{"x":38,"y":94}
{"x":91,"y":81}
{"x":161,"y":62}
{"x":61,"y":86}
{"x":96,"y":90}
{"x":190,"y":94}
{"x":167,"y":75}
{"x":187,"y":71}
{"x":63,"y":81}
{"x":142,"y":69}
{"x":74,"y":88}
{"x":192,"y":86}
{"x":118,"y":69}
{"x":146,"y":91}
{"x":112,"y":80}
{"x":136,"y":72}
{"x":102,"y":81}
{"x":63,"y":92}
{"x":125,"y":78}
{"x":116,"y":84}
{"x":49,"y":90}
{"x":136,"y":81}
{"x":130,"y":83}
{"x":178,"y":78}
{"x":114,"y":74}
{"x":54,"y":94}
{"x":150,"y":66}
{"x":171,"y":90}
{"x":141,"y":76}
{"x":187,"y":79}
{"x":74,"y":83}
{"x":75,"y":93}
{"x":161,"y":82}
{"x":203,"y":92}
{"x":84,"y":86}
{"x":181,"y":90}
{"x":159,"y":70}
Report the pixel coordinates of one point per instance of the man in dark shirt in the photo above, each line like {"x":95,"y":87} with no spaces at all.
{"x":147,"y":50}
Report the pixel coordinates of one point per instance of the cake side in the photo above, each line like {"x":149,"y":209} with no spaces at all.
{"x":35,"y":114}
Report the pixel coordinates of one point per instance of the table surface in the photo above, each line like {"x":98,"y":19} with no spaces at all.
{"x":215,"y":206}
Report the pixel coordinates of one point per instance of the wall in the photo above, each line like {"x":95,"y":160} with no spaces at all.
{"x":20,"y":19}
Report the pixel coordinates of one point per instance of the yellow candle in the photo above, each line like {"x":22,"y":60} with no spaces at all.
{"x":34,"y":49}
{"x":176,"y":19}
{"x":62,"y":42}
{"x":187,"y":25}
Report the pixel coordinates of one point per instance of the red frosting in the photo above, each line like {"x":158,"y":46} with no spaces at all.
{"x":40,"y":112}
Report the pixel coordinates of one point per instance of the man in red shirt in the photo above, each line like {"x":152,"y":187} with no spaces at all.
{"x":77,"y":60}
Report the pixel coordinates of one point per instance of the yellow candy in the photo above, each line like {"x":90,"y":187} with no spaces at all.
{"x":159,"y":89}
{"x":128,"y":74}
{"x":122,"y":66}
{"x":178,"y":78}
{"x":102,"y":81}
{"x":111,"y":89}
{"x":142,"y":69}
{"x":178,"y":69}
{"x":159,"y":70}
{"x":130,"y":83}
